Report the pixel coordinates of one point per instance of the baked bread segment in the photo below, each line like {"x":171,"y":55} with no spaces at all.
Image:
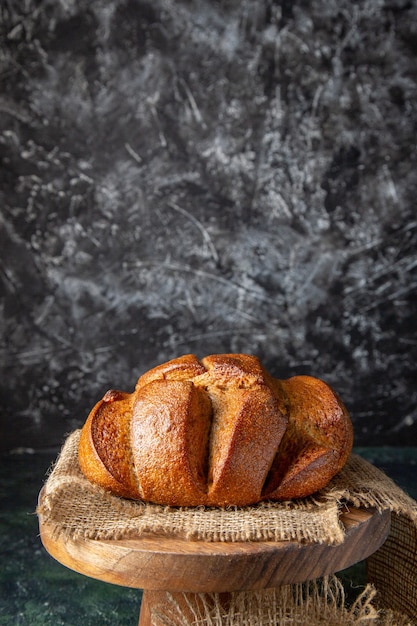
{"x":317,"y":442}
{"x":244,"y":409}
{"x":186,"y":367}
{"x":169,"y":438}
{"x":105,"y":454}
{"x":233,"y":370}
{"x":247,"y":429}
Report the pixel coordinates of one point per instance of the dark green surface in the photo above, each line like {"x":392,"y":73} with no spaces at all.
{"x":34,"y":588}
{"x":37,"y":591}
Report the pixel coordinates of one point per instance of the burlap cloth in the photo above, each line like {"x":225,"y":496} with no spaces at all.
{"x":72,"y":506}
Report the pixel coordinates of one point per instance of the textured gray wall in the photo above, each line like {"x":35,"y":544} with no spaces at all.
{"x":198,"y":176}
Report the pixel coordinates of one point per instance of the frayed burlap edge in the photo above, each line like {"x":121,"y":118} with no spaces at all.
{"x":315,"y":602}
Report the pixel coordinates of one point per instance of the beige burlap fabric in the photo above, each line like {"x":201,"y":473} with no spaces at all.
{"x":314,"y":603}
{"x":72,"y":506}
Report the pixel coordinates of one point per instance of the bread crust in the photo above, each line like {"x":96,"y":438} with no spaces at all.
{"x":216,"y":432}
{"x":317,"y":442}
{"x":104,"y":452}
{"x":170,"y":428}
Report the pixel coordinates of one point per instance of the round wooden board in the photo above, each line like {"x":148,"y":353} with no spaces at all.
{"x":197,"y":566}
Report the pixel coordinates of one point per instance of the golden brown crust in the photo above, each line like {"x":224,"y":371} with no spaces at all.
{"x":245,"y":435}
{"x":317,"y":442}
{"x":183,"y":368}
{"x":104,"y":448}
{"x":215,"y":432}
{"x":170,"y":428}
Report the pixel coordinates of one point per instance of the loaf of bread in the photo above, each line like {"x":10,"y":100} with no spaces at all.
{"x":216,"y":432}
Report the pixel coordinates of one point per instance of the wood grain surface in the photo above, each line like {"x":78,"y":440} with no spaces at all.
{"x":196,"y":566}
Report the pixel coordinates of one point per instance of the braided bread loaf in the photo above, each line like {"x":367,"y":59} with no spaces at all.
{"x":216,"y":432}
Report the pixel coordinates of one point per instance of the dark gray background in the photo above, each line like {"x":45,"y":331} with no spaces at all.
{"x":199,"y":176}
